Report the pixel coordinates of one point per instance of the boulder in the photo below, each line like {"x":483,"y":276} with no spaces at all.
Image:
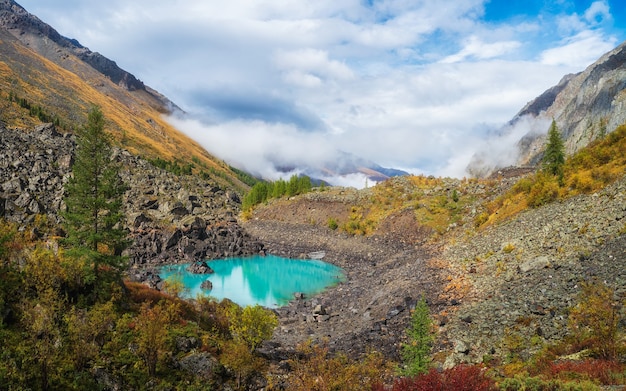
{"x":141,"y":219}
{"x":187,"y":344}
{"x":319,"y":310}
{"x":206,"y":284}
{"x":541,"y":262}
{"x":173,"y":239}
{"x":202,"y":364}
{"x":200,"y":267}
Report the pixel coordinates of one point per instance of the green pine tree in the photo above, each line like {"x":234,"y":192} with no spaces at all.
{"x":554,"y":155}
{"x":416,"y":352}
{"x":94,"y":214}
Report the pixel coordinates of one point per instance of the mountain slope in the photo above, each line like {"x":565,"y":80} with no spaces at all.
{"x":65,"y":78}
{"x":586,"y":106}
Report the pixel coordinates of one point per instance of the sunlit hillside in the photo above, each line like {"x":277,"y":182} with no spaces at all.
{"x":135,"y":118}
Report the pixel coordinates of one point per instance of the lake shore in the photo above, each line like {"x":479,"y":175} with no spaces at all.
{"x":371,"y":309}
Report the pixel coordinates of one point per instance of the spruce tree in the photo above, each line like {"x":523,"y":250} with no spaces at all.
{"x":94,"y":214}
{"x":416,"y":352}
{"x":554,"y":156}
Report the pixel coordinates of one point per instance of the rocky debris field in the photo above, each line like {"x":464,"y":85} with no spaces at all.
{"x":34,"y":166}
{"x":170,"y":218}
{"x":514,"y":281}
{"x":371,"y":310}
{"x":524,"y":275}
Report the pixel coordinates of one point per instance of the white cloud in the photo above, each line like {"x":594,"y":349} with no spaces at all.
{"x":310,"y":65}
{"x":475,"y":48}
{"x":404,"y":83}
{"x":578,"y":51}
{"x":598,"y":12}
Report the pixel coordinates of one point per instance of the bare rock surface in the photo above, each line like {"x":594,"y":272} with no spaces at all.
{"x":525,"y":274}
{"x":372,"y":308}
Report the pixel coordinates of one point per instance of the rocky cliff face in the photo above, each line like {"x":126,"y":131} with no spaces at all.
{"x":585,"y":106}
{"x":170,"y":218}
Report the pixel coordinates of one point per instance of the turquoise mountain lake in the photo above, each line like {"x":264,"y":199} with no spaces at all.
{"x":269,"y":280}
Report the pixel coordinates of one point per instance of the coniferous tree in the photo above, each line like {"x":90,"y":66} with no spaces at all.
{"x":416,"y":352}
{"x":554,"y":156}
{"x":94,"y":194}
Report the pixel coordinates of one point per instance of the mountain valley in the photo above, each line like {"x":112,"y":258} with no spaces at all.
{"x":502,"y":260}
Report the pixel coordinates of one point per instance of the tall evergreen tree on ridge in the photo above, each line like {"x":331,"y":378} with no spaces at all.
{"x":554,"y":155}
{"x":94,"y":198}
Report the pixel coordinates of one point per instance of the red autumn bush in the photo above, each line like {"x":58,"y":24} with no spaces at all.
{"x":602,"y":371}
{"x":459,"y":378}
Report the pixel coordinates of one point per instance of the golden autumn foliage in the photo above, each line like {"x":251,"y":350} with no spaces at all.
{"x":595,"y":319}
{"x":316,"y":369}
{"x":589,"y":170}
{"x":251,"y":325}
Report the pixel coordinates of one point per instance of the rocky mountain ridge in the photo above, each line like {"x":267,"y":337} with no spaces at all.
{"x":60,"y":77}
{"x":30,"y":30}
{"x":585,"y":106}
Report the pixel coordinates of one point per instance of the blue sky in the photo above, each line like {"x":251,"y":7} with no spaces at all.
{"x":417,"y":85}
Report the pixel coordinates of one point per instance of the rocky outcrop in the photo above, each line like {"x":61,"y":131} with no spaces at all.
{"x":34,"y":166}
{"x":154,"y":244}
{"x":199,"y":267}
{"x":171,"y":219}
{"x":590,"y":104}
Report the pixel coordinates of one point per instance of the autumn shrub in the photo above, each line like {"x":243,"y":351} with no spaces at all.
{"x":544,"y":190}
{"x":603,"y":371}
{"x":212,"y":315}
{"x":524,"y":185}
{"x":527,"y":383}
{"x":151,"y":328}
{"x":241,"y":361}
{"x":582,"y":182}
{"x":251,"y":324}
{"x":175,"y":286}
{"x":481,"y":219}
{"x":140,"y":293}
{"x":459,"y":378}
{"x":595,"y":319}
{"x":315,"y":369}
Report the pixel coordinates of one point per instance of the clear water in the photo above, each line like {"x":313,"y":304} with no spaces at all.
{"x":269,"y":281}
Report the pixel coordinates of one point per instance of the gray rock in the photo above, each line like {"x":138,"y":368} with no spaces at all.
{"x":541,"y":262}
{"x":203,"y":365}
{"x":461,"y":347}
{"x":319,"y":310}
{"x":200,"y":268}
